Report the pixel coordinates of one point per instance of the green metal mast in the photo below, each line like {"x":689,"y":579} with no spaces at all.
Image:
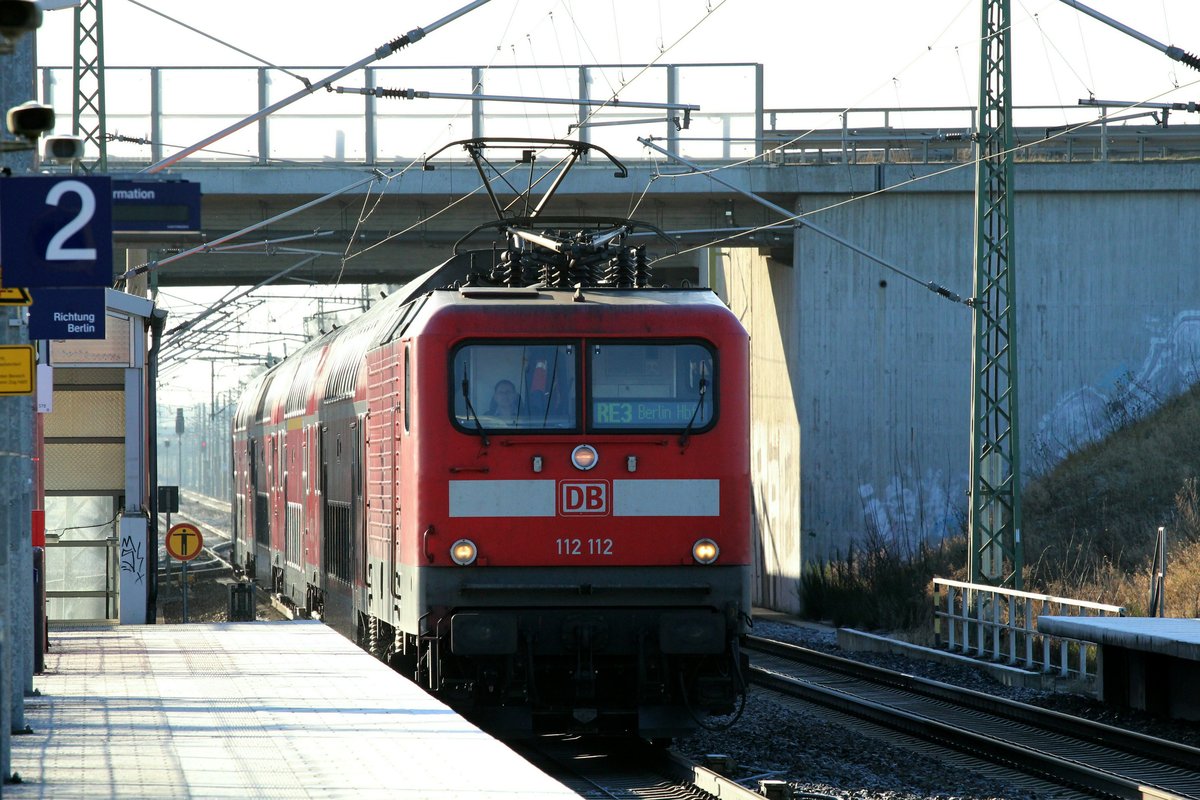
{"x":87,"y":111}
{"x":995,"y":515}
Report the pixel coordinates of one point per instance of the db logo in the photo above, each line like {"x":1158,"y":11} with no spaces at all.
{"x":577,"y":497}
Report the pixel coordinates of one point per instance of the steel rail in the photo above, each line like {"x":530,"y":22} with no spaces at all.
{"x":628,"y":768}
{"x":1127,"y":741}
{"x":1134,"y":765}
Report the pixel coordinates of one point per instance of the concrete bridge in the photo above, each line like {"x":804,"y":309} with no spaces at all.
{"x":861,"y":379}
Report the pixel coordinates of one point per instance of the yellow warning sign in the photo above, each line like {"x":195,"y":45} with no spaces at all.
{"x":184,"y":541}
{"x":16,"y":369}
{"x":15,"y":297}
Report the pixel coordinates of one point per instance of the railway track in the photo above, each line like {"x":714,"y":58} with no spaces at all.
{"x":627,"y":768}
{"x":1075,"y":753}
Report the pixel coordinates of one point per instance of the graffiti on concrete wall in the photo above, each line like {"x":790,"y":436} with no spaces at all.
{"x":1125,"y":394}
{"x":132,"y":558}
{"x":914,"y":508}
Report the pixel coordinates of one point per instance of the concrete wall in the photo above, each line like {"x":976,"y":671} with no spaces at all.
{"x":869,"y":373}
{"x":760,"y":292}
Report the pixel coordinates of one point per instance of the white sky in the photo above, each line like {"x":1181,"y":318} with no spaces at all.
{"x":842,"y":54}
{"x":846,"y":53}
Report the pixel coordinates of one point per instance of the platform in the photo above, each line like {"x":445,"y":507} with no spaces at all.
{"x":1147,"y":663}
{"x":247,"y":710}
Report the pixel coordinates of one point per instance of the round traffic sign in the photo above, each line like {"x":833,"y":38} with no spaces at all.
{"x":184,"y":541}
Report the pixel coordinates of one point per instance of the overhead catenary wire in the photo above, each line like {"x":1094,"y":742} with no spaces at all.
{"x":327,"y":83}
{"x":221,"y":42}
{"x":382,"y":51}
{"x":799,"y":221}
{"x":1065,"y":130}
{"x":280,"y":274}
{"x":426,"y":220}
{"x":1170,"y":50}
{"x":152,"y":266}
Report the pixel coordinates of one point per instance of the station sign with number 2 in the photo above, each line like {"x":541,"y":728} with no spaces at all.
{"x":56,"y":231}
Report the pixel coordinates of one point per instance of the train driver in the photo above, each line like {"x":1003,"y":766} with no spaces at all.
{"x":506,"y":403}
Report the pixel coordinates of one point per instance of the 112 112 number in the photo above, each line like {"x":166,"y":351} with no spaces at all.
{"x":581,"y":547}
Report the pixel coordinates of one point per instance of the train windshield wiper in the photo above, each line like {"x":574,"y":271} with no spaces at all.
{"x":550,"y":394}
{"x":683,"y":437}
{"x":466,"y":390}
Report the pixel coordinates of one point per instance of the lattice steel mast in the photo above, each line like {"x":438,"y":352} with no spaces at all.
{"x":995,"y":512}
{"x":87,"y":110}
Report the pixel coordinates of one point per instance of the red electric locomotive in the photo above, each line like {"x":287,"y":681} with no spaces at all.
{"x":523,"y":481}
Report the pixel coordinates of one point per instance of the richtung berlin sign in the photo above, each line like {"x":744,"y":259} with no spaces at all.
{"x":67,"y":314}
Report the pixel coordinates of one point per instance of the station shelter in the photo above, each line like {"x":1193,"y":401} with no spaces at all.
{"x":95,"y":487}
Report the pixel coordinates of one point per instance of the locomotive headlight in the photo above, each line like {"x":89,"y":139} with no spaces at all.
{"x":705,"y":551}
{"x":584,"y":457}
{"x":463,"y":552}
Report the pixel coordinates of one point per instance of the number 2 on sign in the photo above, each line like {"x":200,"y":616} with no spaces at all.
{"x":57,"y":250}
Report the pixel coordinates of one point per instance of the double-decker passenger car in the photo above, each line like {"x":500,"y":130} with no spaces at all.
{"x":530,"y":496}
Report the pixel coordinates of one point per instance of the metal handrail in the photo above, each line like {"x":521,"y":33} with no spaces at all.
{"x":112,"y":585}
{"x":1041,"y":133}
{"x":1000,"y":625}
{"x":142,"y":107}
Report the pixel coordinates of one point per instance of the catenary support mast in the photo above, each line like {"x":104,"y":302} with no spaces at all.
{"x":995,"y":503}
{"x":87,"y":110}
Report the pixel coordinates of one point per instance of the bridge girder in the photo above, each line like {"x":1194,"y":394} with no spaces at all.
{"x":409,"y":229}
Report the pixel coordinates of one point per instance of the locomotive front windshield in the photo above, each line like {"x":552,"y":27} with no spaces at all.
{"x":516,"y":386}
{"x":661,"y":387}
{"x":630,"y":386}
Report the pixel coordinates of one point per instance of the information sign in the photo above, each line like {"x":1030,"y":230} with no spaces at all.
{"x":184,"y":541}
{"x":67,"y":313}
{"x":56,"y":231}
{"x":16,"y":368}
{"x":153,"y":206}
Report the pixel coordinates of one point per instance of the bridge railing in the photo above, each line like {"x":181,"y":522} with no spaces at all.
{"x":937,"y":134}
{"x":153,"y":111}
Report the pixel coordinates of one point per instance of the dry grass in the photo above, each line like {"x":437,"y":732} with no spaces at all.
{"x":1090,"y":524}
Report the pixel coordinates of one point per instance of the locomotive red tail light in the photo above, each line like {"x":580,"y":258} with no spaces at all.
{"x":463,"y":552}
{"x":705,"y":551}
{"x":584,"y":457}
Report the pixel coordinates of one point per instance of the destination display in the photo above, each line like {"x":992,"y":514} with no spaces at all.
{"x":151,"y":206}
{"x":647,"y":413}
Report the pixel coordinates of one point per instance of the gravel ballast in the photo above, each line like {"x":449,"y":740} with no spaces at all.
{"x":820,"y":757}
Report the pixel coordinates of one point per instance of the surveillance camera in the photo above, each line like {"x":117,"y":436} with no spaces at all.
{"x":30,"y":119}
{"x":18,"y":17}
{"x":63,"y":149}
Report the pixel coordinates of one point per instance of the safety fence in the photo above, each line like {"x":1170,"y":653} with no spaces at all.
{"x":388,"y":115}
{"x":91,"y":568}
{"x":1000,"y":625}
